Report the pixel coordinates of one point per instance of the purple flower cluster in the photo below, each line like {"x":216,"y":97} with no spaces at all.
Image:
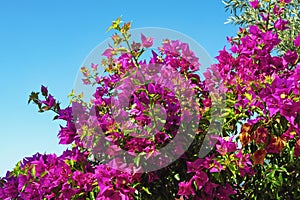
{"x":42,"y":176}
{"x":139,"y":106}
{"x":68,"y":176}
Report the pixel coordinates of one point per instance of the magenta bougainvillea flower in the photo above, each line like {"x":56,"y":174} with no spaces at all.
{"x":297,"y":41}
{"x":281,"y":24}
{"x":146,"y":42}
{"x":186,"y":189}
{"x":226,"y":145}
{"x":254,"y":4}
{"x":258,"y":144}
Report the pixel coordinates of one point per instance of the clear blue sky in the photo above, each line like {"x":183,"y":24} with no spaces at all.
{"x":45,"y":42}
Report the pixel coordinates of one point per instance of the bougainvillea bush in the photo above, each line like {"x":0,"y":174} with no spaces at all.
{"x":256,"y":155}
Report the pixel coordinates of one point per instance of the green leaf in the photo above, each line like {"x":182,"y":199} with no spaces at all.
{"x":23,"y":188}
{"x":33,"y":97}
{"x":136,"y":82}
{"x":146,"y":190}
{"x":92,"y":196}
{"x":248,"y":96}
{"x":136,"y":160}
{"x":43,"y":174}
{"x":196,"y":186}
{"x":33,"y":171}
{"x":115,"y":24}
{"x":135,"y":184}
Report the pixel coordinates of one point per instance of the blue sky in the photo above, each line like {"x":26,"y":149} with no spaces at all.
{"x":45,"y":42}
